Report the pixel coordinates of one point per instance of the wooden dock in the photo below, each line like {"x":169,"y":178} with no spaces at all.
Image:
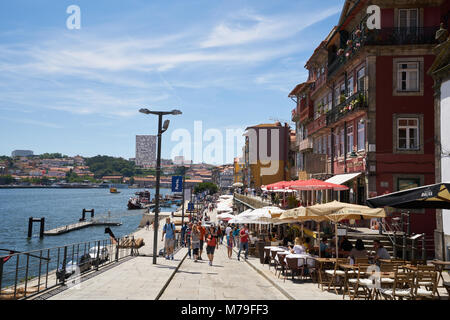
{"x":80,"y":225}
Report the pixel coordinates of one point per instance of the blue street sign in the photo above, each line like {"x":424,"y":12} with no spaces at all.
{"x":177,"y":183}
{"x":190,"y":206}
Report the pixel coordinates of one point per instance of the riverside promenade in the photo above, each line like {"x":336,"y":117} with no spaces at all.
{"x":136,"y":278}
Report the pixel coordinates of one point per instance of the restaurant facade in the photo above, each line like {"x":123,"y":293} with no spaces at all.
{"x":365,"y":115}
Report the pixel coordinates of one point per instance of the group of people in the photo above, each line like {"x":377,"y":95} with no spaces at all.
{"x":357,"y":252}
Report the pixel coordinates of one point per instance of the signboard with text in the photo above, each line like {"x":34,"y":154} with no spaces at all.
{"x":177,"y":183}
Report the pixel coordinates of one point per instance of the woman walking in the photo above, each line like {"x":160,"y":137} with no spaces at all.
{"x":195,"y":241}
{"x":230,"y":242}
{"x":211,"y":244}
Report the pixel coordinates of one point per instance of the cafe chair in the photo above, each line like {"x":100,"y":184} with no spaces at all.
{"x":356,"y":287}
{"x":335,"y":275}
{"x":403,"y":287}
{"x":361,"y":260}
{"x":281,"y":263}
{"x":272,"y":260}
{"x":311,"y":265}
{"x":426,"y":284}
{"x":293,"y":266}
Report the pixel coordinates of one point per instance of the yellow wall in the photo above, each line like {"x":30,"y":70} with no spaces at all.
{"x":259,"y":180}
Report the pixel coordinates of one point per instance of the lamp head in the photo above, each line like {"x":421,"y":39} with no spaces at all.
{"x":144,"y":110}
{"x":165,"y":125}
{"x":176,"y":112}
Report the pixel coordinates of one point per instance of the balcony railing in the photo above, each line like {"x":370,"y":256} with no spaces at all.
{"x":305,"y":144}
{"x":384,"y":36}
{"x":317,"y":124}
{"x":357,"y":101}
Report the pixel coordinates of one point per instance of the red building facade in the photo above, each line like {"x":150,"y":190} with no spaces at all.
{"x":367,"y":108}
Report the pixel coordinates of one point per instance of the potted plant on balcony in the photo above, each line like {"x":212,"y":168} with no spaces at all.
{"x":340,"y":52}
{"x":342,"y":97}
{"x":349,"y":42}
{"x":358,"y":32}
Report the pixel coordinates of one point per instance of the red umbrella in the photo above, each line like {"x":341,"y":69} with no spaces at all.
{"x":278,"y":185}
{"x":314,"y":184}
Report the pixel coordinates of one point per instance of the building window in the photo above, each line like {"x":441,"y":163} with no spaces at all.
{"x":408,"y":133}
{"x":319,"y":145}
{"x":324,"y":144}
{"x":342,"y":138}
{"x":329,"y":145}
{"x":408,"y":76}
{"x":408,"y":20}
{"x":337,"y":94}
{"x":350,"y":86}
{"x":336,"y":144}
{"x":407,"y":183}
{"x":360,"y":75}
{"x":361,"y":136}
{"x":349,"y":138}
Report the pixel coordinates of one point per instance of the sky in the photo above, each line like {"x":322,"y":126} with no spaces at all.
{"x":225,"y":64}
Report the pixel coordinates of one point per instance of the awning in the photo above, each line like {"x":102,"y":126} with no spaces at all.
{"x":343,"y":178}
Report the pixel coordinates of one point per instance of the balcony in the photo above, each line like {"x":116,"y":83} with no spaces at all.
{"x":295,"y":115}
{"x":305,"y":144}
{"x":317,"y":124}
{"x":304,"y":114}
{"x":382,"y":37}
{"x":351,"y":105}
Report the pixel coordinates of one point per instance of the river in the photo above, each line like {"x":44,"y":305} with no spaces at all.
{"x":61,"y":207}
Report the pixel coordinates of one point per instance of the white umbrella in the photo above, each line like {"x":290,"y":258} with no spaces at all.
{"x":225,"y":215}
{"x":237,"y":184}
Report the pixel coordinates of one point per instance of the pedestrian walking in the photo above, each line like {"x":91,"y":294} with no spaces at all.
{"x":219,"y":234}
{"x":236,"y":236}
{"x":243,"y":242}
{"x":202,"y":231}
{"x":169,"y":232}
{"x":187,"y":239}
{"x":230,"y":241}
{"x":195,"y":241}
{"x":183,"y":232}
{"x":147,"y":224}
{"x":211,"y":244}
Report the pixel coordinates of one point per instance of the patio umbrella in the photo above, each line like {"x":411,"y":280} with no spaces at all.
{"x":314,"y":185}
{"x":237,"y":184}
{"x":224,"y":216}
{"x":278,"y":185}
{"x":434,"y":196}
{"x":337,"y":211}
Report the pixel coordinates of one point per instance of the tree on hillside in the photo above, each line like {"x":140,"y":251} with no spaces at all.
{"x":206,"y":186}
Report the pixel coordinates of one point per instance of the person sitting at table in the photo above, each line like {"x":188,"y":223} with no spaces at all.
{"x":324,"y":248}
{"x":380,"y":252}
{"x":346,"y":245}
{"x":298,"y":247}
{"x":358,"y":251}
{"x":307,"y":244}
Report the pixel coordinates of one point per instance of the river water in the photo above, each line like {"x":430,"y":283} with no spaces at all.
{"x":61,"y":207}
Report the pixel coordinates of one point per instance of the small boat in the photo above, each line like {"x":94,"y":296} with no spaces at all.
{"x":113,"y":190}
{"x":140,"y":201}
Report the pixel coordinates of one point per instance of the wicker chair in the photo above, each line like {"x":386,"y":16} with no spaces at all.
{"x":281,"y":263}
{"x":292,"y":264}
{"x":273,"y":254}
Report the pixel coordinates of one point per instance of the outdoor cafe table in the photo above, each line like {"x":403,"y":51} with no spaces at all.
{"x":302,"y":256}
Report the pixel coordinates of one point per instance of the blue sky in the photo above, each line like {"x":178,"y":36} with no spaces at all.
{"x":229,"y":64}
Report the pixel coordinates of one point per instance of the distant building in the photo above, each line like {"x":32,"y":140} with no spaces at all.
{"x":22,"y":153}
{"x":178,"y":160}
{"x":145,"y":150}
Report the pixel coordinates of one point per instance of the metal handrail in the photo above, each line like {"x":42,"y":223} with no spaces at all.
{"x":25,"y":274}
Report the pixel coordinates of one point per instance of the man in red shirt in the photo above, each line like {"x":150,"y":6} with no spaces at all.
{"x":243,"y":237}
{"x":202,"y":239}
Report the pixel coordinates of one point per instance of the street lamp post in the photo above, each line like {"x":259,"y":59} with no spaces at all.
{"x":161,"y":129}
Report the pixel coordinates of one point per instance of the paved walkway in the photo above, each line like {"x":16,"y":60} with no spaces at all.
{"x":184,"y":279}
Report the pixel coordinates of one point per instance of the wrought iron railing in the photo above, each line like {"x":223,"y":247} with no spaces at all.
{"x":382,"y":37}
{"x":357,"y":101}
{"x":26,"y":274}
